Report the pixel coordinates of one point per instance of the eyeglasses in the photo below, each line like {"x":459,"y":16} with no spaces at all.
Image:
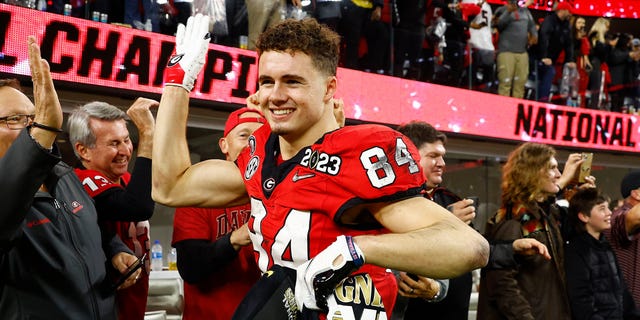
{"x":18,"y":121}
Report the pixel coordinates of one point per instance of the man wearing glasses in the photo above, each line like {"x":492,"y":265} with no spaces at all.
{"x":18,"y":121}
{"x":13,"y":121}
{"x":53,"y":260}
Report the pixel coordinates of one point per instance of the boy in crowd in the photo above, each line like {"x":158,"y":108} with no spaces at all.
{"x":595,"y":284}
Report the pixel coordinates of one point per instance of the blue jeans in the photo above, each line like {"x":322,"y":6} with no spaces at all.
{"x":545,"y":77}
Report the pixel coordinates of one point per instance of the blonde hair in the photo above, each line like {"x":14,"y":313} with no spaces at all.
{"x":600,"y":27}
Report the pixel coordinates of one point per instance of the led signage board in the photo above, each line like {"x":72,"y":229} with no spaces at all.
{"x":105,"y":56}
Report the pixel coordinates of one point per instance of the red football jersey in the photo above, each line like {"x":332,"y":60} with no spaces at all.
{"x":219,"y":295}
{"x":301,"y":205}
{"x":132,"y":301}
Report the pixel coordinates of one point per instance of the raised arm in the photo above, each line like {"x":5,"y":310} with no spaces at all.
{"x":48,"y":118}
{"x":140,"y":114}
{"x":176,"y":183}
{"x":26,"y":163}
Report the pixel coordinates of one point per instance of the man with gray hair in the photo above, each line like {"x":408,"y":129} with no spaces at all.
{"x":100,"y":139}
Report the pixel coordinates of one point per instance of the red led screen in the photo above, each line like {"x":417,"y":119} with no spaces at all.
{"x":94,"y":53}
{"x":606,"y":8}
{"x":103,"y":55}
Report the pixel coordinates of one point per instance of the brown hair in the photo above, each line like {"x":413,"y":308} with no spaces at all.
{"x":13,"y":83}
{"x":307,"y":36}
{"x":420,"y":132}
{"x":583,"y":202}
{"x":521,"y":173}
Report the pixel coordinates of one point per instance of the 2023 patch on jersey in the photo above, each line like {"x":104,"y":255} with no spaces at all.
{"x":301,"y":205}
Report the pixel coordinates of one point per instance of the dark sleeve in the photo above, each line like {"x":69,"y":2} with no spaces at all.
{"x":502,"y":284}
{"x":617,"y":56}
{"x":566,"y":228}
{"x":132,"y":203}
{"x":199,"y":258}
{"x":112,"y":245}
{"x":579,"y":289}
{"x":600,"y":50}
{"x":570,"y":54}
{"x":23,"y":168}
{"x":501,"y":256}
{"x":543,"y":38}
{"x":378,"y":3}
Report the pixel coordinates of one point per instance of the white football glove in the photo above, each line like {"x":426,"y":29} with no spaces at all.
{"x":192,"y":43}
{"x":318,"y":277}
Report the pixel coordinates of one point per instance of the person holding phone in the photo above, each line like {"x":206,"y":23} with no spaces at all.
{"x":422,"y":293}
{"x":100,"y":138}
{"x":53,"y":260}
{"x":535,"y":287}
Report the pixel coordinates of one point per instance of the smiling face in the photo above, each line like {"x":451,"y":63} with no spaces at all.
{"x":549,"y":176}
{"x":432,"y":162}
{"x":295,"y":96}
{"x":599,"y":219}
{"x":112,"y":151}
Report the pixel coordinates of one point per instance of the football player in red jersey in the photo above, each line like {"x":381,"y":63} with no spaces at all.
{"x":324,"y":199}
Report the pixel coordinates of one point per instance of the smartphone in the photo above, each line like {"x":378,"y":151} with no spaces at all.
{"x":585,"y":168}
{"x":121,"y":278}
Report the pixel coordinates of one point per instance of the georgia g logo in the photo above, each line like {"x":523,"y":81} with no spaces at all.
{"x":175,"y":59}
{"x":252,"y":167}
{"x":269,"y":184}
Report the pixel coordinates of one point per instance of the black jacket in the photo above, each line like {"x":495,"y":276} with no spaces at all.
{"x":594,"y":282}
{"x":456,"y":304}
{"x":52,"y":263}
{"x":555,"y":36}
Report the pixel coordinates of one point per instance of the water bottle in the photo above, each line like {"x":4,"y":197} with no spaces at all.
{"x":67,"y":9}
{"x":172,"y":259}
{"x":156,"y":256}
{"x":42,"y":5}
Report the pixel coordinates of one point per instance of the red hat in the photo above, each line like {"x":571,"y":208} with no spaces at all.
{"x":564,"y":6}
{"x":235,"y":118}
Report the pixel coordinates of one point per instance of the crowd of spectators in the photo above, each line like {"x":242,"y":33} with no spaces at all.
{"x":461,"y":44}
{"x":558,"y":59}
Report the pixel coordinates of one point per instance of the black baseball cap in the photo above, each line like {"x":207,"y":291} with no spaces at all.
{"x":629,"y":183}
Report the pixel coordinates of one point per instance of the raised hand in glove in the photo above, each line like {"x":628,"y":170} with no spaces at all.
{"x":192,"y":42}
{"x":318,"y":277}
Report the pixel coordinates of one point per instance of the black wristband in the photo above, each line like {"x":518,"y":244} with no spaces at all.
{"x":43,"y":127}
